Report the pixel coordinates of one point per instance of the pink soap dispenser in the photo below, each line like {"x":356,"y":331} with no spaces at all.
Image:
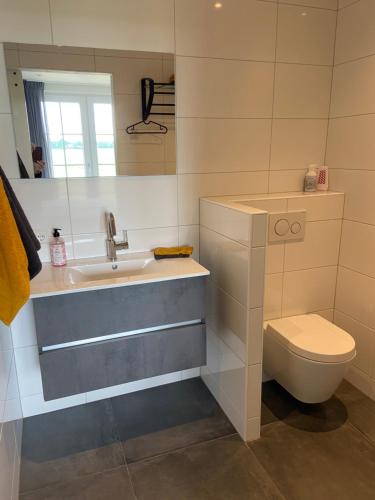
{"x":57,"y":249}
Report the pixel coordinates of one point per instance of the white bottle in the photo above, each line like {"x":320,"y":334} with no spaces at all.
{"x":57,"y":249}
{"x":310,"y":179}
{"x":322,"y":179}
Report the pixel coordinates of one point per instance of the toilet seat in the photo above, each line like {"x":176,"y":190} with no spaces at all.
{"x":313,"y":337}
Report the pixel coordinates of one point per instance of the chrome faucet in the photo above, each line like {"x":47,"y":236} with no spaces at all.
{"x":111,"y":243}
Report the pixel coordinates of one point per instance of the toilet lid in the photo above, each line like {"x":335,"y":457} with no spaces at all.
{"x":313,"y":337}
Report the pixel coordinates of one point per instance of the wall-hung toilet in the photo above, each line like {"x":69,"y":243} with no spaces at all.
{"x":307,"y":355}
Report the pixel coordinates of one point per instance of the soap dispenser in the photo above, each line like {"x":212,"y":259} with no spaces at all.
{"x":57,"y":249}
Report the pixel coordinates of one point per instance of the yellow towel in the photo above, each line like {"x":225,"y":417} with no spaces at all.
{"x":172,"y":252}
{"x":14,"y":276}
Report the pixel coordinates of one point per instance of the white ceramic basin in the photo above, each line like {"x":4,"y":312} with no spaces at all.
{"x":108,"y":270}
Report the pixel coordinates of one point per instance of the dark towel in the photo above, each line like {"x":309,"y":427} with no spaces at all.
{"x":29,"y":240}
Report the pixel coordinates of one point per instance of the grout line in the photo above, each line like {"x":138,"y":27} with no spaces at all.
{"x":351,"y":424}
{"x":50,"y":21}
{"x":296,"y":4}
{"x":338,"y":264}
{"x":358,"y":272}
{"x":357,"y":321}
{"x":273,"y":99}
{"x":349,"y":5}
{"x":261,"y":61}
{"x":338,"y":117}
{"x":331,"y":91}
{"x":193,"y":445}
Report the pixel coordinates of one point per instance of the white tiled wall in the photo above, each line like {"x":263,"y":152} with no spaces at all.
{"x":351,"y":154}
{"x":232,"y":246}
{"x":10,"y":418}
{"x":301,"y":275}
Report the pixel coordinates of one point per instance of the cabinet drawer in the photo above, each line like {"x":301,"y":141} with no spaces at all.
{"x":95,"y":313}
{"x":73,"y":370}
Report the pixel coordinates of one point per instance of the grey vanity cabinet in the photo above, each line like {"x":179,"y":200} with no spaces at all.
{"x":94,"y":339}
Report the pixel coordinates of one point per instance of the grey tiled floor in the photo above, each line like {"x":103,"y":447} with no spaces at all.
{"x":174,"y":443}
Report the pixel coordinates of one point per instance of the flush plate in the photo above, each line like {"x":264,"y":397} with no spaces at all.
{"x":286,"y":226}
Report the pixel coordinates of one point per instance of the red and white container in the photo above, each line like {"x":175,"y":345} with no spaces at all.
{"x":322,"y":178}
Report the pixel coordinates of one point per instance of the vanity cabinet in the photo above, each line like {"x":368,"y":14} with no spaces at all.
{"x":99,"y":338}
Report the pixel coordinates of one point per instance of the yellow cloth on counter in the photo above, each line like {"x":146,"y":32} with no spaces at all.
{"x":14,"y":275}
{"x":163,"y":252}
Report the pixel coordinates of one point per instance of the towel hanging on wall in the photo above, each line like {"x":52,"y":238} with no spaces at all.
{"x":14,"y":276}
{"x":29,"y":240}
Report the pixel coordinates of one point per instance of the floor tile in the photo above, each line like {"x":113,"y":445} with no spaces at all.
{"x":339,"y":463}
{"x":360,"y":408}
{"x":68,"y":443}
{"x":114,"y":485}
{"x":168,"y":417}
{"x":221,"y":469}
{"x":278,"y":404}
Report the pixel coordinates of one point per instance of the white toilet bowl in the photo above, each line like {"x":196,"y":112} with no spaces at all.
{"x":307,"y":355}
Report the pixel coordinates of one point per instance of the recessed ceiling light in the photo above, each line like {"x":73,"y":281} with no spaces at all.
{"x":218,"y":5}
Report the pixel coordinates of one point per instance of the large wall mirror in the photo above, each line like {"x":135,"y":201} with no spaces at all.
{"x":80,"y":112}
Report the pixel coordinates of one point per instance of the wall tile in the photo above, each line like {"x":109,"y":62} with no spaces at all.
{"x":355,"y":24}
{"x":364,"y":341}
{"x":207,"y":145}
{"x":23,"y":327}
{"x":4,"y":95}
{"x":308,"y":291}
{"x":35,"y":405}
{"x":22,"y":21}
{"x":191,"y":187}
{"x":286,"y":181}
{"x":202,"y":84}
{"x":65,"y":62}
{"x":254,"y":336}
{"x":140,"y":240}
{"x":136,"y":203}
{"x":189,"y":235}
{"x":227,"y":318}
{"x":297,"y":143}
{"x":259,"y":228}
{"x":345,"y":3}
{"x":275,"y":258}
{"x":351,"y":293}
{"x":227,"y":261}
{"x":358,"y":247}
{"x":256,"y":278}
{"x":319,"y":207}
{"x":350,"y":143}
{"x":45,"y":202}
{"x":358,"y":187}
{"x":319,"y":248}
{"x":254,"y":389}
{"x":273,"y":296}
{"x":138,"y":385}
{"x":8,"y":157}
{"x":323,"y":4}
{"x":302,"y":91}
{"x":28,"y":371}
{"x":127,"y":72}
{"x":353,"y":88}
{"x":117,"y":25}
{"x":305,"y":35}
{"x":230,"y":223}
{"x":213,"y":35}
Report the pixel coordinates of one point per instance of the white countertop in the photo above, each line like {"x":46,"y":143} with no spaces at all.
{"x":54,"y":280}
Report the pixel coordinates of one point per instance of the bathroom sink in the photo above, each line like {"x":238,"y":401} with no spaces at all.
{"x":108,"y":270}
